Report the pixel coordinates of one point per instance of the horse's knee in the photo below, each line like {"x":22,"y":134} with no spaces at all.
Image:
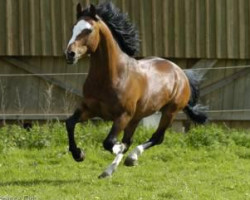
{"x":69,"y":124}
{"x":73,"y":120}
{"x":108,"y":144}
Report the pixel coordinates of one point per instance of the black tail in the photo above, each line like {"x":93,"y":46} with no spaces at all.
{"x":195,"y":112}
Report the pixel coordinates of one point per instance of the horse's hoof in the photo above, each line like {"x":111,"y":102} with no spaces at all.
{"x":130,"y":162}
{"x":78,"y":155}
{"x":104,"y":175}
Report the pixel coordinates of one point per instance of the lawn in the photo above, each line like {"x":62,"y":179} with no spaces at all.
{"x":208,"y":163}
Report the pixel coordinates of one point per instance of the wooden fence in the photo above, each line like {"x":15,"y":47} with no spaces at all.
{"x":43,"y":91}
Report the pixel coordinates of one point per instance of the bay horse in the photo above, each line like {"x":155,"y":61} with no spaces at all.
{"x":122,"y":89}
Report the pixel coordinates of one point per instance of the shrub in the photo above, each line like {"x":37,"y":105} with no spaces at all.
{"x":92,"y":134}
{"x":15,"y":136}
{"x":208,"y":136}
{"x":241,"y":138}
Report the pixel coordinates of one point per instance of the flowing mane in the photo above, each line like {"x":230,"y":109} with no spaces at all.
{"x":122,"y":29}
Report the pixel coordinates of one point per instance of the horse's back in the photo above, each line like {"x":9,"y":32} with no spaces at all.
{"x":159,"y":69}
{"x":159,"y":65}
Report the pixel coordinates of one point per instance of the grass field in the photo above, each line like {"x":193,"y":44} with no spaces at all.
{"x":208,"y":163}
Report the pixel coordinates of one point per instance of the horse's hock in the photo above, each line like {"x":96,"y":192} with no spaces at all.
{"x":179,"y":126}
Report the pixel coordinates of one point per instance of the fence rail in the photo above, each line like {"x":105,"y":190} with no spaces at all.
{"x":237,"y":112}
{"x":84,"y":74}
{"x":68,"y":114}
{"x":214,"y":115}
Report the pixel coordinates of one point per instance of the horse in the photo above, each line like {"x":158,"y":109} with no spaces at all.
{"x":124,"y":90}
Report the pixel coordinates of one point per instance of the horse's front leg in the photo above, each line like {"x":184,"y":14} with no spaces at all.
{"x":111,"y":144}
{"x":78,"y":116}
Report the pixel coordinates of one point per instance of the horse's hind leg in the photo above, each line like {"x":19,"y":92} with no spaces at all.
{"x":128,"y":134}
{"x":157,"y":138}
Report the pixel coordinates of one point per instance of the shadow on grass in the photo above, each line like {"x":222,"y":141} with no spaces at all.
{"x":38,"y":182}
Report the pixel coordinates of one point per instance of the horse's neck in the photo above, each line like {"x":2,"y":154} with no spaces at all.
{"x":105,"y":62}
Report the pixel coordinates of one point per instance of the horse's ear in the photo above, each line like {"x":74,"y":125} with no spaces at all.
{"x":79,"y":10}
{"x":93,"y":13}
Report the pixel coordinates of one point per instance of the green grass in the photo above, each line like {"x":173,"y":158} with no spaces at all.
{"x":208,"y":163}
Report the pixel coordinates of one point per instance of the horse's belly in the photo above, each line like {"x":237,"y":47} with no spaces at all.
{"x":149,"y":106}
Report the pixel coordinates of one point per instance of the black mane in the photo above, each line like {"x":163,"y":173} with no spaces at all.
{"x":122,"y":29}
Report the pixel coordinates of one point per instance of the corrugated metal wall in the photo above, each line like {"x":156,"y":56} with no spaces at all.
{"x":169,"y":28}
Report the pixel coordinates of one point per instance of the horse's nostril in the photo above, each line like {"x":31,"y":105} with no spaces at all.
{"x":71,"y":54}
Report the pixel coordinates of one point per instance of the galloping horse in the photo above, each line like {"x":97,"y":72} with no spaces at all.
{"x":123,"y":89}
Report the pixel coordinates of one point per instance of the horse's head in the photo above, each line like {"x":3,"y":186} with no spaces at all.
{"x":85,"y":35}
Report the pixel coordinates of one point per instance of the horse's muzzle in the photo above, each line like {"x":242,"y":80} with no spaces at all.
{"x":70,"y":57}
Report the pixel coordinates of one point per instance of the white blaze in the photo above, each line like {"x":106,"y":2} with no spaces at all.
{"x":78,"y":28}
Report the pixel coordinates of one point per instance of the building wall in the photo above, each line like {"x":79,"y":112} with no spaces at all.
{"x":34,"y":33}
{"x":168,"y":28}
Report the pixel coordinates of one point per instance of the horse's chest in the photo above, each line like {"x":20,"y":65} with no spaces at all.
{"x":103,"y":108}
{"x":102,"y":100}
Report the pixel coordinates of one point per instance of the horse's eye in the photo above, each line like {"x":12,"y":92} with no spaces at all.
{"x":88,"y":31}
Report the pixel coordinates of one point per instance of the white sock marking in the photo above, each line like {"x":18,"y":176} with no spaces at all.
{"x":118,"y":148}
{"x":136,"y":152}
{"x":111,"y":168}
{"x":118,"y":151}
{"x":118,"y":159}
{"x":78,"y":28}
